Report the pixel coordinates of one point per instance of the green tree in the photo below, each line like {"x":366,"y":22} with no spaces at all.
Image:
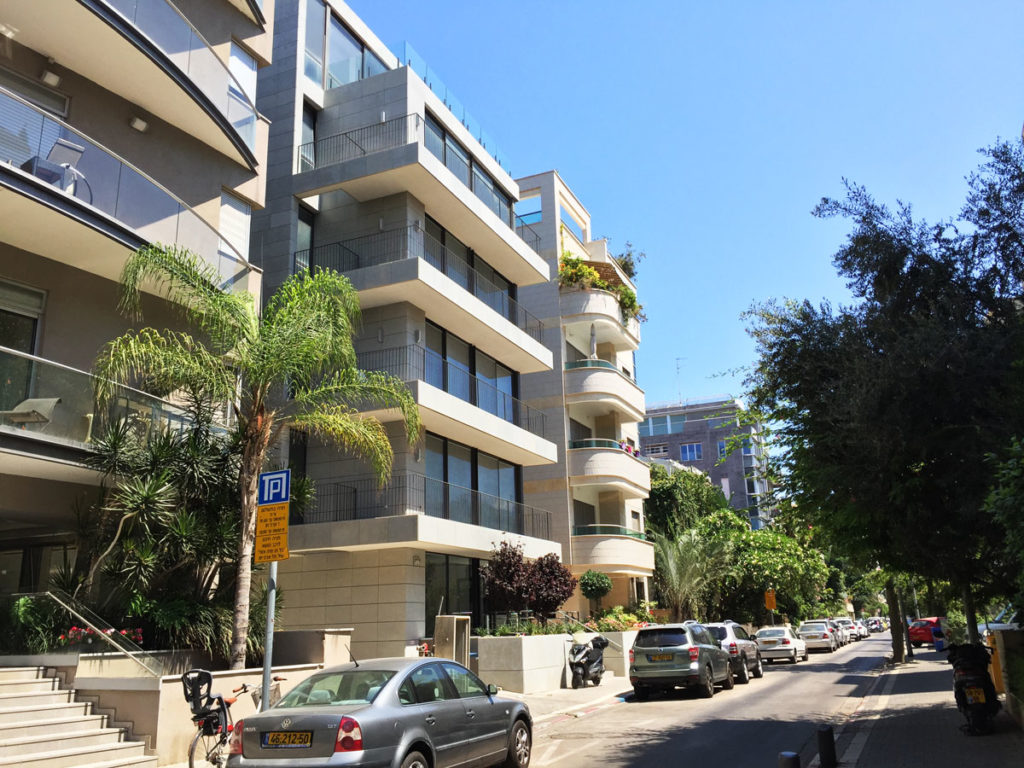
{"x":686,"y":567}
{"x":679,"y":499}
{"x":594,"y":585}
{"x":293,"y":365}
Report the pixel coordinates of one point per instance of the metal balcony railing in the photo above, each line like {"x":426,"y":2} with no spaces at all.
{"x":412,"y":493}
{"x":607,"y":530}
{"x":414,"y":243}
{"x":174,"y":34}
{"x":53,"y":151}
{"x":413,"y":362}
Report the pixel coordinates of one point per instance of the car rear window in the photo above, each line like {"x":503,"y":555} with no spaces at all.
{"x":813,"y":627}
{"x":921,"y":624}
{"x":654,"y":638}
{"x":352,"y":687}
{"x":771,"y":632}
{"x":717,"y":632}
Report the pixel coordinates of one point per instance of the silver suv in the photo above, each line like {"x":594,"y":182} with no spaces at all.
{"x":744,"y":657}
{"x":671,"y":655}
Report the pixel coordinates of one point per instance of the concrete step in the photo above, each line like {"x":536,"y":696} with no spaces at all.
{"x":12,"y":713}
{"x":25,"y":745}
{"x":44,"y":729}
{"x":77,"y":757}
{"x":19,"y":672}
{"x":145,"y":761}
{"x":33,"y":697}
{"x":28,"y":684}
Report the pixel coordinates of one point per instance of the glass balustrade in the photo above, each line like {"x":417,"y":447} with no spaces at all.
{"x":173,"y":34}
{"x":50,"y":150}
{"x":607,"y":530}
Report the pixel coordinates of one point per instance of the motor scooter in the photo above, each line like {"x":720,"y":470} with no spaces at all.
{"x":586,"y":660}
{"x":973,"y":689}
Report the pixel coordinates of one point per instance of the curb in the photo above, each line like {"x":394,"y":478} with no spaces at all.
{"x":587,"y":707}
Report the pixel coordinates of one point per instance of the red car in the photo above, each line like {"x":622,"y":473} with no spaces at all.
{"x":922,"y":631}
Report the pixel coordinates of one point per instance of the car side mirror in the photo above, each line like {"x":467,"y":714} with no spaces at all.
{"x":492,"y":689}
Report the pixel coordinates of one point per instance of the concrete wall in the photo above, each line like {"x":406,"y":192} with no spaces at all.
{"x":525,"y":664}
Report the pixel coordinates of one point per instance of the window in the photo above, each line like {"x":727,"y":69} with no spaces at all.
{"x":316,"y":19}
{"x":659,"y":425}
{"x":328,"y":39}
{"x":34,"y":93}
{"x":452,"y":585}
{"x":429,"y":684}
{"x":691,"y":452}
{"x":748,"y":447}
{"x":661,"y":449}
{"x":242,"y":66}
{"x":344,"y":55}
{"x":723,"y":449}
{"x":20,"y":310}
{"x":307,"y":138}
{"x":234,"y":234}
{"x":466,"y":683}
{"x":583,"y":513}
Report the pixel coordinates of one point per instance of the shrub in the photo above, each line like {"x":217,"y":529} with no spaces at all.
{"x":551,"y":584}
{"x":594,"y":585}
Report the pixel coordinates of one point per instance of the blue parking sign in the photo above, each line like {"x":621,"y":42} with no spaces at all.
{"x":274,"y":487}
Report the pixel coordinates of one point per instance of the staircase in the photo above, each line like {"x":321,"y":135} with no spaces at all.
{"x":42,"y":726}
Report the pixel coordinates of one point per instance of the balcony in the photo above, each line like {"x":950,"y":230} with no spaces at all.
{"x":420,"y":270}
{"x":597,"y":387}
{"x":67,"y":198}
{"x":49,"y":418}
{"x":391,"y":157}
{"x":583,"y":309}
{"x":612,"y":548}
{"x":605,"y":463}
{"x":498,"y":423}
{"x":147,"y":52}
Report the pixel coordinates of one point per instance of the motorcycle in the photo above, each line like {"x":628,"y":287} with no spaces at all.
{"x":972,"y":686}
{"x":586,"y":660}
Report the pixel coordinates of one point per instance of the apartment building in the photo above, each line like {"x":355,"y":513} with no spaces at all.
{"x":378,"y":172}
{"x":590,"y":399}
{"x":122,"y":123}
{"x":709,"y":435}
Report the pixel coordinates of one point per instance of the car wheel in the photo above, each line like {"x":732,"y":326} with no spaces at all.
{"x":519,"y":744}
{"x":806,"y":655}
{"x":758,"y":670}
{"x":744,"y":676}
{"x":728,"y":683}
{"x":707,"y":690}
{"x":597,"y":680}
{"x":640,"y":693}
{"x":577,"y":679}
{"x":795,"y":658}
{"x":415,"y":760}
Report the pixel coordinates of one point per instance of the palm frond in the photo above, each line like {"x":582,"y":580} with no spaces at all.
{"x":365,"y":438}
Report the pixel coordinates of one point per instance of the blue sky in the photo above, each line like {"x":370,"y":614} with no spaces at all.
{"x":705,"y":132}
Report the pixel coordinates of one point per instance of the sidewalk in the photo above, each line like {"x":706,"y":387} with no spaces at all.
{"x":566,"y":703}
{"x":909,"y":719}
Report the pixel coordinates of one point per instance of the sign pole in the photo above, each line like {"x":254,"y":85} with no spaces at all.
{"x":268,"y":642}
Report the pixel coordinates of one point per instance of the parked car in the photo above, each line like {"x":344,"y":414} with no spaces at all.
{"x":922,"y":631}
{"x":848,"y":628}
{"x":781,"y":643}
{"x":862,"y":630}
{"x":818,"y":634}
{"x":387,"y":712}
{"x":842,"y":635}
{"x":874,"y":624}
{"x":671,"y":655}
{"x":742,"y":649}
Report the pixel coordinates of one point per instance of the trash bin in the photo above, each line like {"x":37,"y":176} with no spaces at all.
{"x":940,"y":644}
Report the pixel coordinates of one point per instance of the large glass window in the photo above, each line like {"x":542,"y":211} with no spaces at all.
{"x":452,"y":586}
{"x":344,"y":55}
{"x":316,"y":17}
{"x":328,"y":39}
{"x":20,"y":309}
{"x":691,"y":452}
{"x":462,"y":370}
{"x":659,"y":425}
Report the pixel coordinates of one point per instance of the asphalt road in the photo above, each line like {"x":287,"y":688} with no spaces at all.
{"x":746,"y":727}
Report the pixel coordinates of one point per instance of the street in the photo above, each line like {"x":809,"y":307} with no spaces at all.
{"x":746,"y":727}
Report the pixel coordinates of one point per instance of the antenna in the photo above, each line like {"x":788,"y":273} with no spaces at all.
{"x":679,"y":391}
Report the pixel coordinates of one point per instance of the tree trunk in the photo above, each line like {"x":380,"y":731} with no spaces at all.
{"x":971,"y":613}
{"x":895,"y":622}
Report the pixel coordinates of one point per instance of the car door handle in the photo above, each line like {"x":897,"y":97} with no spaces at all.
{"x":430,"y":719}
{"x":470,"y":713}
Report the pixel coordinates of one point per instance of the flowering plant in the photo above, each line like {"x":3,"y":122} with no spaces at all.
{"x":78,"y":635}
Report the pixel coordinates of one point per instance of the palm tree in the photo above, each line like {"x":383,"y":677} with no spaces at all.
{"x":294,"y":365}
{"x":686,"y":566}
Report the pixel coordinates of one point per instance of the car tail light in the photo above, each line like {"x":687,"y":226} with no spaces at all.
{"x":350,"y":736}
{"x":235,"y":739}
{"x":733,"y":650}
{"x":632,"y":656}
{"x":694,"y":653}
{"x":785,"y":641}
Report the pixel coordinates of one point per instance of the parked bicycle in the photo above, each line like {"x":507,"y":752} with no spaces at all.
{"x":211,"y":712}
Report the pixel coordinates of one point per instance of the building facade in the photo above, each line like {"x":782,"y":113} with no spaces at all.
{"x":121,"y":124}
{"x":377,"y":172}
{"x":709,"y":435}
{"x":591,"y":401}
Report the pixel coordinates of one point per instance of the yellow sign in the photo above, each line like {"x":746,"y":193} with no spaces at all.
{"x":271,"y":542}
{"x":769,"y":599}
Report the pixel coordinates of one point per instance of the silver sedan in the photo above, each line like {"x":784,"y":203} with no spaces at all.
{"x":398,"y":712}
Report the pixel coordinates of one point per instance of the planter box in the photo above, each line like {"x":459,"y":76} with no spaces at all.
{"x":616,"y":655}
{"x":524,"y":664}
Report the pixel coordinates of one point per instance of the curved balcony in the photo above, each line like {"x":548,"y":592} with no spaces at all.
{"x":601,"y":462}
{"x":71,"y":200}
{"x":147,"y":52}
{"x":583,"y":309}
{"x":612,"y":548}
{"x":597,"y":387}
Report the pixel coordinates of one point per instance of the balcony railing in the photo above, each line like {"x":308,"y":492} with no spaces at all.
{"x":573,"y":365}
{"x":607,"y":530}
{"x":528,"y":234}
{"x":173,"y":34}
{"x":53,"y":151}
{"x":414,"y":243}
{"x":412,"y":493}
{"x":40,"y":398}
{"x":413,"y":362}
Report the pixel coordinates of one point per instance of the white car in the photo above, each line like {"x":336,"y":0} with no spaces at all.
{"x":818,"y":635}
{"x":862,"y":629}
{"x":780,"y":643}
{"x":848,"y":627}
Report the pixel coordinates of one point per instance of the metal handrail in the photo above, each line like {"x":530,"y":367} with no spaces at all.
{"x":412,"y":242}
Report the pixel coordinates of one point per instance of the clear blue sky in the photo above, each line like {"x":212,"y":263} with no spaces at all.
{"x":705,"y":132}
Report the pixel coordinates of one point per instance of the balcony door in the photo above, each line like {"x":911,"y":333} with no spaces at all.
{"x":20,"y":310}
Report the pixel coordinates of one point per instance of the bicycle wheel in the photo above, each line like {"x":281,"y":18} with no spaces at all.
{"x":206,"y":751}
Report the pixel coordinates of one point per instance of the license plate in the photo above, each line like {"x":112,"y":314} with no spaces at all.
{"x":659,"y":657}
{"x":975,"y":695}
{"x":767,"y":642}
{"x":811,"y":637}
{"x":288,"y":739}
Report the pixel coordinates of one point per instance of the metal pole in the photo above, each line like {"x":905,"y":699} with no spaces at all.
{"x":268,"y":641}
{"x":826,"y":747}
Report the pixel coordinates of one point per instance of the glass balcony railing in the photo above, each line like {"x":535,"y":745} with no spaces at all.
{"x":572,"y":365}
{"x":51,"y":150}
{"x":607,"y":530}
{"x":43,"y":399}
{"x":173,"y":34}
{"x":415,"y":243}
{"x":412,"y":493}
{"x":413,"y":362}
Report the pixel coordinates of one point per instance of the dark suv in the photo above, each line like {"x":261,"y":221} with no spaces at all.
{"x":671,"y":655}
{"x":743,"y":654}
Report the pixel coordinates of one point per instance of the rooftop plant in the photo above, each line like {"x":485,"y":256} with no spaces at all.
{"x":574,"y":272}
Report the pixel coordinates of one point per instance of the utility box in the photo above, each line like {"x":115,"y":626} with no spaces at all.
{"x":451,"y":638}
